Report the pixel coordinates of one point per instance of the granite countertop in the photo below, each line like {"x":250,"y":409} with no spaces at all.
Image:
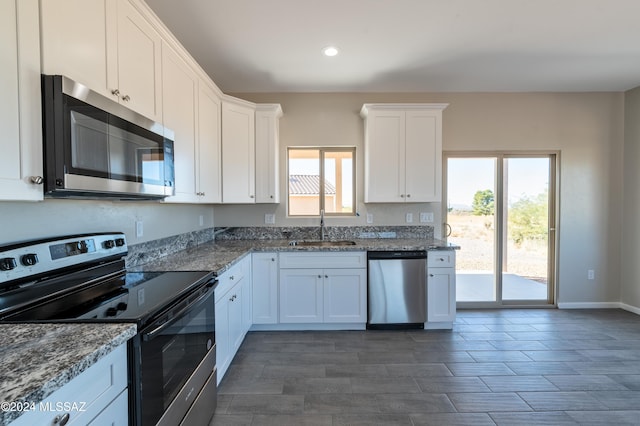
{"x":220,"y":255}
{"x":38,"y":359}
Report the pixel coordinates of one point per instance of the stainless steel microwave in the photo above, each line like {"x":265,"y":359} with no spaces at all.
{"x":97,"y":148}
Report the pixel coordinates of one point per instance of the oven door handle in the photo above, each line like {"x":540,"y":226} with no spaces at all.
{"x":151,"y":334}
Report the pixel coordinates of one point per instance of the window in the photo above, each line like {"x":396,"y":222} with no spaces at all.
{"x":321,"y":179}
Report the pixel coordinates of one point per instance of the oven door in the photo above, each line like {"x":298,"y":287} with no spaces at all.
{"x":177,"y":354}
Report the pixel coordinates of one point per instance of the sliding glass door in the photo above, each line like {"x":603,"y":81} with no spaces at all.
{"x":500,"y":210}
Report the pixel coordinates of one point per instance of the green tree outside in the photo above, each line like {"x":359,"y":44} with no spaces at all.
{"x":528,"y":219}
{"x":483,"y":203}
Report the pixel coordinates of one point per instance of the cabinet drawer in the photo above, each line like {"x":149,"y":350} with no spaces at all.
{"x":334,"y":259}
{"x":231,"y":277}
{"x":86,"y":395}
{"x":441,"y":258}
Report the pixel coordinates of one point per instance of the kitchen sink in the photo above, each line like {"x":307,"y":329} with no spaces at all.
{"x":322,"y":243}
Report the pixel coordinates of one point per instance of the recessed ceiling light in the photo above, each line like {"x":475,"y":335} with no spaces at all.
{"x":330,"y":51}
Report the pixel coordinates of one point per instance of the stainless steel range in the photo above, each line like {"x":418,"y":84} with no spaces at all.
{"x":82,"y":278}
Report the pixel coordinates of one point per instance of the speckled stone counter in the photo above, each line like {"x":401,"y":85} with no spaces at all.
{"x":218,"y":256}
{"x":38,"y":359}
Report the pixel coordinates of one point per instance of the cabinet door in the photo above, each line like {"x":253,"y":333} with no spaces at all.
{"x":384,"y":157}
{"x":301,"y":295}
{"x":423,"y":155}
{"x":267,"y":153}
{"x":345,"y":295}
{"x":20,"y":110}
{"x":247,"y":295}
{"x":236,"y":333}
{"x":441,"y":295}
{"x":209,"y":160}
{"x":180,"y":87}
{"x":138,"y":66}
{"x":223,"y":346}
{"x":76,"y":47}
{"x":265,"y":288}
{"x":238,"y":154}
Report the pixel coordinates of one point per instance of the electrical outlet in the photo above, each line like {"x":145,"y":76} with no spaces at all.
{"x":369,"y":217}
{"x":591,"y":274}
{"x":201,"y":220}
{"x":270,"y":218}
{"x":139,"y":229}
{"x":409,"y":217}
{"x":426,"y":217}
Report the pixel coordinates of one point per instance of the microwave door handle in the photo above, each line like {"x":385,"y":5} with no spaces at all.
{"x":151,"y":334}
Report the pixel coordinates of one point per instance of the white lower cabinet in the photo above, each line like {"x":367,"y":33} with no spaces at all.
{"x":232,"y":308}
{"x":345,"y":295}
{"x":264,"y":267}
{"x":301,"y":295}
{"x":333,"y":293}
{"x":441,"y":289}
{"x":97,"y":396}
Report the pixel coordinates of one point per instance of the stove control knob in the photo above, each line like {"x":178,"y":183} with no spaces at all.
{"x":121,"y":306}
{"x":7,"y":263}
{"x":119,"y":242}
{"x":111,"y":312}
{"x":109,"y":244}
{"x":29,"y":259}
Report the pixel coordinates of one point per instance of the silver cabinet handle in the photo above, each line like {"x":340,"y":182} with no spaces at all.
{"x":401,"y":195}
{"x":36,"y":180}
{"x":61,"y":420}
{"x":319,"y":276}
{"x":441,"y":259}
{"x":115,"y":92}
{"x":270,"y":196}
{"x":126,"y":98}
{"x":273,"y":259}
{"x":408,"y":195}
{"x":231,"y":278}
{"x":326,"y":276}
{"x":431,"y":275}
{"x":251,"y":196}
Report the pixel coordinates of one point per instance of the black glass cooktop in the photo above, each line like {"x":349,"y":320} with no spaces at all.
{"x":93,"y":296}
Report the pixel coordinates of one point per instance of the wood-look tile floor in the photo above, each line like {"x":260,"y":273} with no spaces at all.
{"x":504,"y":367}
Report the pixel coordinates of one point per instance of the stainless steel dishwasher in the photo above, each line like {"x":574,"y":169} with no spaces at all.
{"x":397,"y":289}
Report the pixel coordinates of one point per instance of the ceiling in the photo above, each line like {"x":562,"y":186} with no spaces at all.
{"x":411,"y":45}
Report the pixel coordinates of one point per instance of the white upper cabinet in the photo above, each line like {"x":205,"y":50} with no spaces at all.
{"x":20,"y":109}
{"x":238,"y":151}
{"x":136,"y":75}
{"x":403,"y":152}
{"x":107,"y":45}
{"x":209,"y":155}
{"x":180,"y":87}
{"x":267,"y":153}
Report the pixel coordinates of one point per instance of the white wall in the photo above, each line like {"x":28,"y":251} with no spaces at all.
{"x":587,"y":129}
{"x":23,"y":221}
{"x":630,"y":280}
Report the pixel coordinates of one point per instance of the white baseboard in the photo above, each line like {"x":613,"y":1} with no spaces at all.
{"x":590,"y":305}
{"x":630,"y":308}
{"x":600,"y":305}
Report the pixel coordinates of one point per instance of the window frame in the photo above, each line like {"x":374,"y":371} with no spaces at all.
{"x":322,"y":150}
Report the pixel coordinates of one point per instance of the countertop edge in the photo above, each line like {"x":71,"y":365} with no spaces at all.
{"x":64,"y":376}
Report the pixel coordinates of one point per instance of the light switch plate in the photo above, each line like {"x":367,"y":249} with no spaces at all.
{"x":409,"y":217}
{"x":426,"y":217}
{"x":139,"y":229}
{"x":270,"y":218}
{"x":369,"y":217}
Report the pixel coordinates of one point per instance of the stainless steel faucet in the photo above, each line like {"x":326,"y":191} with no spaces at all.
{"x":322,"y":231}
